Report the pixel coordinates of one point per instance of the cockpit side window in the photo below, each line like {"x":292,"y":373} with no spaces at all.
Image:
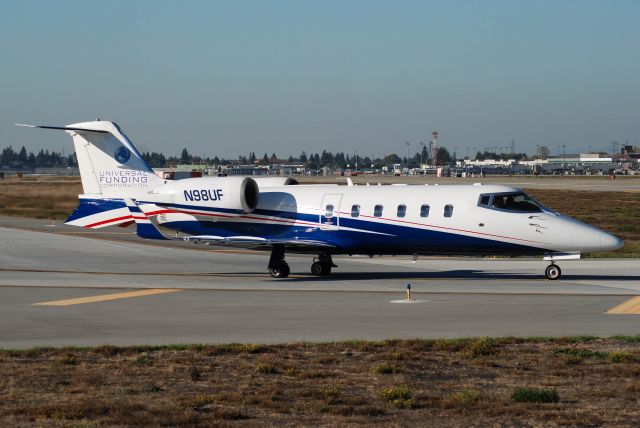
{"x":514,"y":202}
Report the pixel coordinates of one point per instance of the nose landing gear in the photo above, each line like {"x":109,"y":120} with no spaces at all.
{"x":553,"y":272}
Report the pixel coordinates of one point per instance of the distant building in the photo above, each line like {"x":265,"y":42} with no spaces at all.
{"x":182,"y":171}
{"x":247,"y":170}
{"x":581,"y":159}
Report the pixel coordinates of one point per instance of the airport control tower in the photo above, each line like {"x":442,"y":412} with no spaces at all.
{"x":433,"y":144}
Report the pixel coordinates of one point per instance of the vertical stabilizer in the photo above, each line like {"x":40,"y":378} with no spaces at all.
{"x":110,"y":165}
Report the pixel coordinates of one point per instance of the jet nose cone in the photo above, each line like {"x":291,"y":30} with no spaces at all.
{"x":609,"y":242}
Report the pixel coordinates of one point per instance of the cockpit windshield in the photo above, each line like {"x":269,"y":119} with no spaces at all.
{"x":513,"y":201}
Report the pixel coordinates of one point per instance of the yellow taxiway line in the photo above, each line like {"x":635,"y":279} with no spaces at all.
{"x":631,"y":306}
{"x":107,"y":297}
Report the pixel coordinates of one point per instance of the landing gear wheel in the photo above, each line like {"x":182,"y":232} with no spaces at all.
{"x":553,"y":272}
{"x":281,"y":271}
{"x":278,"y":268}
{"x":320,"y":269}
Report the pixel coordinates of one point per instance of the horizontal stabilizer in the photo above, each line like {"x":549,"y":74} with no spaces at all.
{"x":62,"y":128}
{"x":98,"y":213}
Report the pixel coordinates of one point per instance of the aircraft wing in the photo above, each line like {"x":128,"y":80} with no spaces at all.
{"x":255,"y":242}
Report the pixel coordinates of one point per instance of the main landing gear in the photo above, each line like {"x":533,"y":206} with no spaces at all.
{"x":553,"y":272}
{"x":322,"y":265}
{"x":278,"y":267}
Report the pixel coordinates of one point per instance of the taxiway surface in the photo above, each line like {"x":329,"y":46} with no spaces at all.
{"x":58,"y":288}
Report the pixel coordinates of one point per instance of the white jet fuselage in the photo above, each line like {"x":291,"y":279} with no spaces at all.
{"x":407,"y":219}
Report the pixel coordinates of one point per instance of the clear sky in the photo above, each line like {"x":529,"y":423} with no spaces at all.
{"x":229,"y":77}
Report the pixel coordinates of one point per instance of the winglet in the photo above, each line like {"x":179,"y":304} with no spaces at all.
{"x":144,"y":227}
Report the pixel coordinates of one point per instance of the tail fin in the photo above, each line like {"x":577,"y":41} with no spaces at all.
{"x":144,"y":228}
{"x":110,"y":165}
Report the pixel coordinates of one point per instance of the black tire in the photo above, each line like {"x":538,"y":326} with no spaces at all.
{"x":286,"y":270}
{"x":320,"y":269}
{"x":316,"y":268}
{"x":553,"y":272}
{"x":281,"y":271}
{"x":326,"y":269}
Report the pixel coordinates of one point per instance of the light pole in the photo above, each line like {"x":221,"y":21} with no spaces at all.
{"x":421,"y":154}
{"x":408,"y":145}
{"x":564,"y":157}
{"x":356,"y":161}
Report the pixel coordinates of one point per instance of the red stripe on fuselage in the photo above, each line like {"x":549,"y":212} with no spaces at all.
{"x":449,"y":228}
{"x":305,"y":223}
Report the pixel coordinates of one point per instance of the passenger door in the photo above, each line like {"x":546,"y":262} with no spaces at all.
{"x":330,"y":211}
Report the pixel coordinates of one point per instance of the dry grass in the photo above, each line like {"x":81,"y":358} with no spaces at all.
{"x":446,"y":382}
{"x":39,"y":197}
{"x":616,"y":212}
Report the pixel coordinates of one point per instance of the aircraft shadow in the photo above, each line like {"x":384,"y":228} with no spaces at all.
{"x":453,"y":274}
{"x":337,"y":275}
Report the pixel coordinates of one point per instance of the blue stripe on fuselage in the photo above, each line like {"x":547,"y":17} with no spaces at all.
{"x":387,"y":239}
{"x":395,"y":238}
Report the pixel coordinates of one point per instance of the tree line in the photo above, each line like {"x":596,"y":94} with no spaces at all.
{"x":324,"y":159}
{"x":44,"y":158}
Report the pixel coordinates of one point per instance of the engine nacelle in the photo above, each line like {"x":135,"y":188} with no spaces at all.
{"x":228,"y":195}
{"x":264,"y":182}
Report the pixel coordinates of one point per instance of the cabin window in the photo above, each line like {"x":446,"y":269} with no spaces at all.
{"x":377,"y":211}
{"x":448,"y":210}
{"x":355,"y":211}
{"x":484,"y":200}
{"x":402,"y":210}
{"x":328,"y":212}
{"x":424,"y":211}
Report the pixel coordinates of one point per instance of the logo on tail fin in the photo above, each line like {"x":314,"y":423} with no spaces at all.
{"x":122,"y":155}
